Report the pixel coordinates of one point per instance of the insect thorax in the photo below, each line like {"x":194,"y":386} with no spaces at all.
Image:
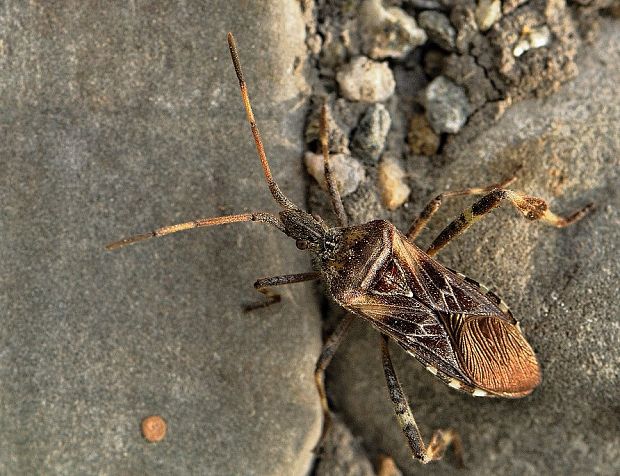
{"x":350,"y":254}
{"x":455,"y":327}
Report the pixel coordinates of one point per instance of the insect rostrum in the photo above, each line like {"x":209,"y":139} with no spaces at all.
{"x":457,"y":328}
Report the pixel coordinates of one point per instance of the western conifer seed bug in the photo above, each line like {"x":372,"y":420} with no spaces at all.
{"x":458,"y":329}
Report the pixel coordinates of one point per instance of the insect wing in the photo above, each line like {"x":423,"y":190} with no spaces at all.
{"x":416,"y":328}
{"x":463,"y":334}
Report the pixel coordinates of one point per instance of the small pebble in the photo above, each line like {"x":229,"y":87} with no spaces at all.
{"x":388,"y":32}
{"x":532,"y":38}
{"x":347,"y":171}
{"x":427,"y":4}
{"x":422,"y":138}
{"x":394,"y":190}
{"x":387,"y":467}
{"x":438,"y":28}
{"x":487,"y":13}
{"x":447,"y":106}
{"x":463,"y":17}
{"x":154,"y":428}
{"x":333,"y":52}
{"x":366,"y":80}
{"x":314,"y":43}
{"x":509,"y":6}
{"x":371,"y":133}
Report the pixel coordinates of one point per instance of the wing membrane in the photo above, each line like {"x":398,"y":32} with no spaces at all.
{"x":447,"y":322}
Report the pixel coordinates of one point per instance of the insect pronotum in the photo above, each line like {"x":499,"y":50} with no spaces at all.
{"x":457,"y":328}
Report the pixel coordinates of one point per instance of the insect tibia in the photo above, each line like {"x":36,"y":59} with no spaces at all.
{"x":533,"y":208}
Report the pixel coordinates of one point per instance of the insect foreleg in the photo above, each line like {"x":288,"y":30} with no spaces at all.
{"x":327,"y":353}
{"x":263,"y":286}
{"x":441,"y":438}
{"x":532,"y":208}
{"x":431,"y":208}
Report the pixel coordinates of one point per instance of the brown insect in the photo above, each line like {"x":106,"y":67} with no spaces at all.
{"x":457,"y":328}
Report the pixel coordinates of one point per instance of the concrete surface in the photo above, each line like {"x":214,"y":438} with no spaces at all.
{"x":114,"y":119}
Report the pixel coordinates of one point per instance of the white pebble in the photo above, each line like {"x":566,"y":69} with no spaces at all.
{"x":447,"y":105}
{"x":347,"y":171}
{"x":388,"y":32}
{"x":487,"y":13}
{"x":366,"y":80}
{"x":532,"y":38}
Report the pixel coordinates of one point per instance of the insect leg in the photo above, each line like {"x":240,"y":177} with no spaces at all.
{"x":263,"y":286}
{"x":431,"y":208}
{"x":327,"y":353}
{"x":200,"y":223}
{"x":441,"y":438}
{"x":332,"y":186}
{"x":532,"y":208}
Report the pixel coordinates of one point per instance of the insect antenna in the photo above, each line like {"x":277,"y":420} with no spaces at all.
{"x":332,"y":186}
{"x":264,"y":217}
{"x":277,"y":194}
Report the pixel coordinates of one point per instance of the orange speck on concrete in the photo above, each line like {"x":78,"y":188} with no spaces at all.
{"x":154,"y":428}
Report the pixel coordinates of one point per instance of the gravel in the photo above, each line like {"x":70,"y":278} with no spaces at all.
{"x":366,"y":80}
{"x":346,"y":170}
{"x":388,"y":32}
{"x":447,"y":105}
{"x":438,"y":28}
{"x":369,"y":137}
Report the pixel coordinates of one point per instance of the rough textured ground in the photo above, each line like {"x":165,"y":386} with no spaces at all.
{"x":115,"y":119}
{"x":562,"y":284}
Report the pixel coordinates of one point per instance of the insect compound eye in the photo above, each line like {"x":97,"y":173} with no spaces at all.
{"x":302,"y":244}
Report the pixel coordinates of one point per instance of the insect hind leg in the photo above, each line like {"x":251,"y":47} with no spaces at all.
{"x":532,"y":208}
{"x":327,"y":353}
{"x":440,"y":440}
{"x":264,"y":286}
{"x":433,"y":206}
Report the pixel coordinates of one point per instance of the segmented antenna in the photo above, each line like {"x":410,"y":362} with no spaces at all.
{"x":264,"y":217}
{"x":332,"y":186}
{"x":273,"y":186}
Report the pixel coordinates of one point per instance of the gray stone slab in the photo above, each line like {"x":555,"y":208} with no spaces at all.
{"x":114,"y":119}
{"x":561,"y":284}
